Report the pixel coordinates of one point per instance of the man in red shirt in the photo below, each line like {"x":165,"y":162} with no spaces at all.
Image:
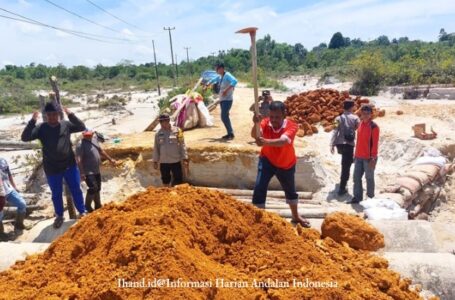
{"x":366,"y":154}
{"x":277,"y":158}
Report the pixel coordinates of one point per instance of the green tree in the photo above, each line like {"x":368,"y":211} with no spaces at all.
{"x":337,"y":41}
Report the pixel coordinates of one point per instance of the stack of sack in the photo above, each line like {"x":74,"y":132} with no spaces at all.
{"x":190,"y":111}
{"x":417,"y":189}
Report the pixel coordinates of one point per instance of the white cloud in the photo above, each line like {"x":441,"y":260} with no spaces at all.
{"x":208,"y":26}
{"x":143,"y":50}
{"x":24,"y":3}
{"x":27,"y":28}
{"x":66,"y":24}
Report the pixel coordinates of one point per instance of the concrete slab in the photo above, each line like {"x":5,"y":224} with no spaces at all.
{"x":44,"y":232}
{"x":445,"y":236}
{"x":434,"y":271}
{"x":13,"y":252}
{"x":407,"y":236}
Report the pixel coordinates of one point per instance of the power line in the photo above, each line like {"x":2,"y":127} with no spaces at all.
{"x":81,"y":34}
{"x":78,"y":35}
{"x":112,"y":15}
{"x":82,"y":17}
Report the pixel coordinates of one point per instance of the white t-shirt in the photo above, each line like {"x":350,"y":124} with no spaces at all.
{"x":5,"y":173}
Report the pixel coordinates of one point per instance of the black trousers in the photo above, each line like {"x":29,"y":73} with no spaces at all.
{"x":93,"y":182}
{"x":347,"y":158}
{"x":171,"y":171}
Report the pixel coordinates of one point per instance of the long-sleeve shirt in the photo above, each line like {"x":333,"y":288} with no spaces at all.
{"x":169,"y":146}
{"x":344,"y":122}
{"x":226,"y":81}
{"x":367,"y":140}
{"x":56,"y":143}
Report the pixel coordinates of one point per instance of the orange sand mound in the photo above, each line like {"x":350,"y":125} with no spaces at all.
{"x":353,"y":230}
{"x":189,"y":234}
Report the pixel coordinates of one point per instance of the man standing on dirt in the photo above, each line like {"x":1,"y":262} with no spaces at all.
{"x":227,"y":84}
{"x":169,"y":151}
{"x":59,"y":161}
{"x":366,"y":154}
{"x":277,"y":158}
{"x":12,"y":196}
{"x":264,"y":106}
{"x":88,"y":156}
{"x":343,"y":139}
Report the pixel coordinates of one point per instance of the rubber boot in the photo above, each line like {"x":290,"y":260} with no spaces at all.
{"x":97,"y":200}
{"x":88,"y":202}
{"x":3,"y":236}
{"x":19,"y":224}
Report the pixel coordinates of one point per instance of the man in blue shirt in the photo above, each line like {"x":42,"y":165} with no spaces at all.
{"x":227,"y":83}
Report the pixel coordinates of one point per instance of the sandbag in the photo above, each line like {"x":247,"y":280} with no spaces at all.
{"x":409,"y":183}
{"x":421,"y":177}
{"x":191,"y":116}
{"x":439,"y":161}
{"x":205,"y":119}
{"x":392,"y":188}
{"x":431,"y":170}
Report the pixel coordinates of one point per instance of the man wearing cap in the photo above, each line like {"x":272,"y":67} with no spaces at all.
{"x":169,"y":151}
{"x":88,"y":156}
{"x":264,"y":104}
{"x":277,"y":158}
{"x":343,"y":139}
{"x":12,"y":196}
{"x":366,"y":154}
{"x":59,"y":161}
{"x":227,"y":84}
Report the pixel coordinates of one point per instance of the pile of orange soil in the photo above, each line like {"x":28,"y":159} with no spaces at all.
{"x":194,"y":243}
{"x":353,"y":230}
{"x":321,"y":106}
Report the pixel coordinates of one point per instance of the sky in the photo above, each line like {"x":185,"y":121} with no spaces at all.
{"x":204,"y":26}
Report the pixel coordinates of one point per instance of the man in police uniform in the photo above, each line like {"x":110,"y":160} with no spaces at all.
{"x":169,"y":151}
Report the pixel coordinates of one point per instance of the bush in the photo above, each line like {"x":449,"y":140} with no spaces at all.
{"x":369,"y":71}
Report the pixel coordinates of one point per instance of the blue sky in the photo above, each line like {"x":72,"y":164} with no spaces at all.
{"x":205,"y":26}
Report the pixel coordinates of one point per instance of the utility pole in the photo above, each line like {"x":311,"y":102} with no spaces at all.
{"x":190,"y":74}
{"x":172,"y":53}
{"x":156,"y":70}
{"x":177,"y":67}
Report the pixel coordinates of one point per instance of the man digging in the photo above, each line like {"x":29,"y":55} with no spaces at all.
{"x":88,"y":155}
{"x":277,"y":158}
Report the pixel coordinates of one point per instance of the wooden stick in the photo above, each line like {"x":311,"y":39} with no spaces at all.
{"x":313,"y":214}
{"x":273,"y":194}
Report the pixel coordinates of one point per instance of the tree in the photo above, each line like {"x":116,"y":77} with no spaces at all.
{"x":357,"y":42}
{"x":443,"y":36}
{"x":382,"y":40}
{"x":300,"y":50}
{"x":337,"y":41}
{"x":319,"y":47}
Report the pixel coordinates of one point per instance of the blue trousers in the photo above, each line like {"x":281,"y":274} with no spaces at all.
{"x":225,"y":108}
{"x":361,"y":167}
{"x":265,"y":173}
{"x":73,"y":179}
{"x":16,"y":200}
